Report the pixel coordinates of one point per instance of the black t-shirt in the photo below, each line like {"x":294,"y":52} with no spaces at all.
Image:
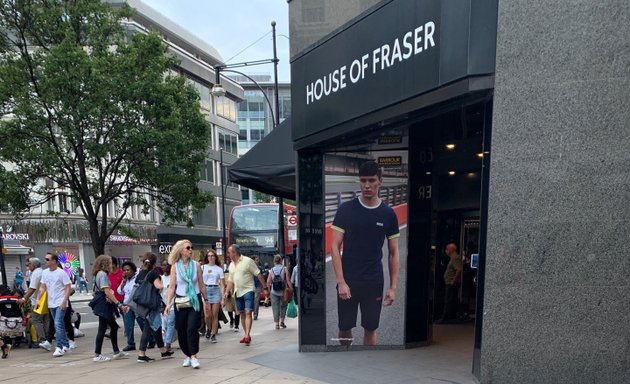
{"x":364,"y":232}
{"x":150,"y":276}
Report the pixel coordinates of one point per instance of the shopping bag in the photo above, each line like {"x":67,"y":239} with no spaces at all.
{"x":292,"y":310}
{"x":42,"y":308}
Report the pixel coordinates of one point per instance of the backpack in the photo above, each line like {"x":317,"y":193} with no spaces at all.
{"x":277,"y":283}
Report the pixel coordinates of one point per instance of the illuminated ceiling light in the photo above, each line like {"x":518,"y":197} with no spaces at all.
{"x":480,"y":155}
{"x":450,"y":146}
{"x":427,"y":173}
{"x":451,"y":173}
{"x":472,"y":174}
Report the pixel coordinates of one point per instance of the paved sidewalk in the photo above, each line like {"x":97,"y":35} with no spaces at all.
{"x":273,"y":357}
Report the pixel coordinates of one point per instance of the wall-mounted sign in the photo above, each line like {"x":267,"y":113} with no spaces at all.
{"x":384,"y":140}
{"x":390,"y":161}
{"x":15,"y":236}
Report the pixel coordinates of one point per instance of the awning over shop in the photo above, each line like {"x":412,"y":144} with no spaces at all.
{"x":269,"y":167}
{"x":14,"y":248}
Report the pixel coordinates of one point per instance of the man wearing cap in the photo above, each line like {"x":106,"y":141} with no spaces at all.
{"x":360,"y":227}
{"x":34,"y":266}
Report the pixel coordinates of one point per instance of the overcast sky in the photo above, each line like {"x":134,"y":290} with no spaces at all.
{"x":232,"y":25}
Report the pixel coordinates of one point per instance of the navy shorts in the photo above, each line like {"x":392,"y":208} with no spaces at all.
{"x":366,"y":295}
{"x":245,"y":302}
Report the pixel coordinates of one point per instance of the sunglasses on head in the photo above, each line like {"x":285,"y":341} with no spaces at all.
{"x":189,"y":247}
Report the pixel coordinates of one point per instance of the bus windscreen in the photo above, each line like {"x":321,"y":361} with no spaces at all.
{"x":255,"y":218}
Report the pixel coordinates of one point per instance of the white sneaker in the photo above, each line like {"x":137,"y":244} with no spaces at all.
{"x":72,"y":344}
{"x":194,"y":362}
{"x":186,"y":362}
{"x":120,"y":355}
{"x":78,"y":333}
{"x":58,"y":352}
{"x":100,"y":358}
{"x":65,"y":349}
{"x":46,"y":345}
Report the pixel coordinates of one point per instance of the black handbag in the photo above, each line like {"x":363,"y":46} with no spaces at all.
{"x":101,"y":307}
{"x":145,"y":295}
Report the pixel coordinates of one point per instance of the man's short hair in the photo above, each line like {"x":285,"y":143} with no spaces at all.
{"x":236,"y":249}
{"x":370,"y":168}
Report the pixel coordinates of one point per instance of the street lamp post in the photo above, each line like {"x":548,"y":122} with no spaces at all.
{"x":224,"y":239}
{"x":3,"y":269}
{"x":218,"y":90}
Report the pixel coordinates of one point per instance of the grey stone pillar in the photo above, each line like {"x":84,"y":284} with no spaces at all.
{"x":557,"y":300}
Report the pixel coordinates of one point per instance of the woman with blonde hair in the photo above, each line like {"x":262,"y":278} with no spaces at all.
{"x":186,"y":285}
{"x":104,"y":308}
{"x":214,"y":281}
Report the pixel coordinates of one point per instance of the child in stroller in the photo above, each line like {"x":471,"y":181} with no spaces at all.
{"x":11,"y":322}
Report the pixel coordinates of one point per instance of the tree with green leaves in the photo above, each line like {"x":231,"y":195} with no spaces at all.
{"x":92,"y":111}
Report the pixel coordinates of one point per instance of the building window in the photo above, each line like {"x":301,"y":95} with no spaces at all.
{"x":228,"y":142}
{"x":285,"y":107}
{"x":256,"y":134}
{"x":207,"y":172}
{"x":204,"y":93}
{"x":226,"y":108}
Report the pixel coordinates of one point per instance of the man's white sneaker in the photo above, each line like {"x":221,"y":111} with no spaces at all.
{"x":120,"y":355}
{"x":186,"y":362}
{"x":58,"y":352}
{"x":194,"y":363}
{"x":72,"y":344}
{"x":78,"y":333}
{"x":46,"y":345}
{"x":100,"y":358}
{"x":65,"y":349}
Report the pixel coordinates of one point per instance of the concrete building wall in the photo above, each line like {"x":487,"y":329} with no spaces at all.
{"x":310,"y":20}
{"x":556,"y":293}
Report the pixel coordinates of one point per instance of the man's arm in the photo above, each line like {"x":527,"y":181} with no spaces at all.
{"x":337,"y":241}
{"x":394,"y":266}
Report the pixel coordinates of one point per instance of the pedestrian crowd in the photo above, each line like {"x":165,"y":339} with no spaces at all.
{"x":179,"y":299}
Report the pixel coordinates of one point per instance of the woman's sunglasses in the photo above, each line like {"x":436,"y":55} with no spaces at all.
{"x":189,"y":247}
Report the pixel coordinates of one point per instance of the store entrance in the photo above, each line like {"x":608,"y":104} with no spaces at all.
{"x":448,"y":157}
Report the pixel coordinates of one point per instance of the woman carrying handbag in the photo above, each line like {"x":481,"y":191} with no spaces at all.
{"x":191,"y":299}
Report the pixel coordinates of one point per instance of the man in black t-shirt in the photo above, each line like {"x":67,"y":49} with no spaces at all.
{"x":360,"y":227}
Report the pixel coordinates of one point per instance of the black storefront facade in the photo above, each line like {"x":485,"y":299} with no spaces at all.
{"x":396,"y":93}
{"x":500,"y":126}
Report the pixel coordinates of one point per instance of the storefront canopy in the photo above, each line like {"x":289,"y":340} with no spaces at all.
{"x":269,"y":167}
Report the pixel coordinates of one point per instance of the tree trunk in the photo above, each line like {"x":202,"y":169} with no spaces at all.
{"x":98,"y":244}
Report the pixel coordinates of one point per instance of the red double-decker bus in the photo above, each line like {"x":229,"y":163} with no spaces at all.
{"x":254,"y":228}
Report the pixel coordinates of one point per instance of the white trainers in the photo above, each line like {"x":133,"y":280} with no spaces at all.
{"x":120,"y":355}
{"x":194,"y":363}
{"x":65,"y":349}
{"x":100,"y":358}
{"x":46,"y":345}
{"x":72,"y":344}
{"x":78,"y":333}
{"x":58,"y":352}
{"x":186,"y":362}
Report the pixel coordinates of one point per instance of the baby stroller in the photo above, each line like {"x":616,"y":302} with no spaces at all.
{"x":12,"y":321}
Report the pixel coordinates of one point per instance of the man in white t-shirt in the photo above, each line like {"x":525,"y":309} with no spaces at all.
{"x":34,"y":266}
{"x":57,"y":283}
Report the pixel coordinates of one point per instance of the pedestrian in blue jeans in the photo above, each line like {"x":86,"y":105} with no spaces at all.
{"x":124,"y":289}
{"x":56,"y":283}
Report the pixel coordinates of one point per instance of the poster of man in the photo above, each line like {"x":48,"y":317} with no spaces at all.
{"x":366,"y":246}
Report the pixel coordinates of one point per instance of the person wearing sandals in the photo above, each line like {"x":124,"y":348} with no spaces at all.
{"x":100,"y":270}
{"x":213,"y":279}
{"x":189,"y":291}
{"x":278,"y":304}
{"x":153,"y":318}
